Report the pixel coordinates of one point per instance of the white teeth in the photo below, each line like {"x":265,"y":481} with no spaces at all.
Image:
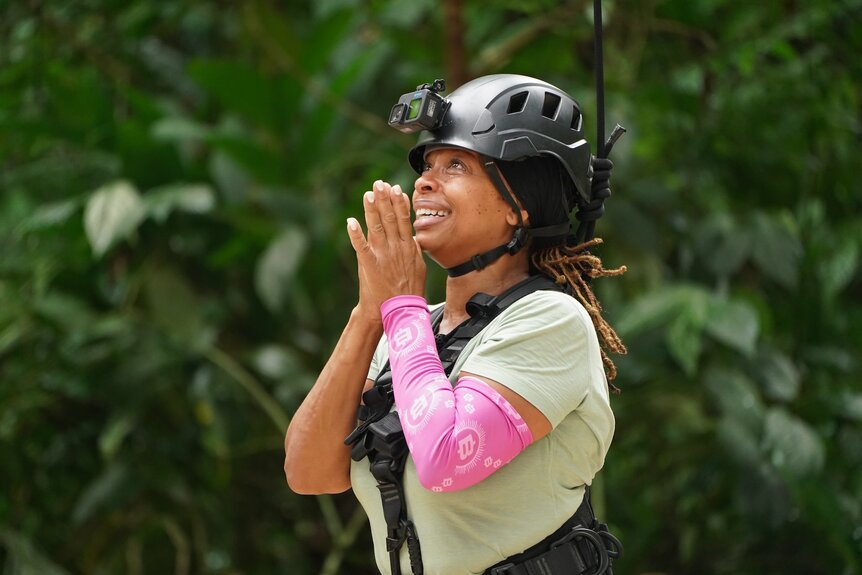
{"x":427,"y":212}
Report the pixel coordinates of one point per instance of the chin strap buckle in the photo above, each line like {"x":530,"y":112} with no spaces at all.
{"x":518,"y":241}
{"x":478,"y":262}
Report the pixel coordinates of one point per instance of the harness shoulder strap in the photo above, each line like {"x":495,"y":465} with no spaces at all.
{"x":483,"y":308}
{"x":379,"y":436}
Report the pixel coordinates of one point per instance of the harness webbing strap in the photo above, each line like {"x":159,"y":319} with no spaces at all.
{"x":582,"y":545}
{"x":581,"y":542}
{"x":379,"y":437}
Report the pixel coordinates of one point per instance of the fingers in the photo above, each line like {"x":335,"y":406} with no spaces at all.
{"x":376,"y":231}
{"x":385,"y":200}
{"x":401,"y":202}
{"x":357,"y":238}
{"x":387,"y":214}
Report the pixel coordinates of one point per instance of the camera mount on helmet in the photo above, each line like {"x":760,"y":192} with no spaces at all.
{"x":422,"y":109}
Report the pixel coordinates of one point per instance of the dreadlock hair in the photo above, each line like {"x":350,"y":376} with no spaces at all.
{"x":574,"y":267}
{"x":546,"y":192}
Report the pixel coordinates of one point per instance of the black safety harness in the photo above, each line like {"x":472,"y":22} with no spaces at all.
{"x":581,"y":543}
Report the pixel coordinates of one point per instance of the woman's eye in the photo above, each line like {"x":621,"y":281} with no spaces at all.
{"x":426,"y":167}
{"x":457,"y":164}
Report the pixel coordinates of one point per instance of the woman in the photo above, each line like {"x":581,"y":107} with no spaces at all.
{"x":501,"y":451}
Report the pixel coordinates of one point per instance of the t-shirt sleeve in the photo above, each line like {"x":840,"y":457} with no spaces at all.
{"x":378,"y":360}
{"x":543,"y":347}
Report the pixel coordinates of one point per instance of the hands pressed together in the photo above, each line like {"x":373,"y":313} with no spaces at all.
{"x":390,"y":259}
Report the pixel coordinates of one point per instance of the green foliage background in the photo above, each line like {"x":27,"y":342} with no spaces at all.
{"x":174,"y":180}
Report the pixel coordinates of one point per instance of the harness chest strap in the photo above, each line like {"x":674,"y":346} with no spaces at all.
{"x":379,"y":435}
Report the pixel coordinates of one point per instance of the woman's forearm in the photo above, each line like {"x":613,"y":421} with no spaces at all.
{"x":316,"y":459}
{"x":456,"y":436}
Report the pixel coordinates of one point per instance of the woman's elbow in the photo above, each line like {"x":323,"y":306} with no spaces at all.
{"x":303,"y":482}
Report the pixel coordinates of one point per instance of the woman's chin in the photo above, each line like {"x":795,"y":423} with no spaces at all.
{"x":431,"y":247}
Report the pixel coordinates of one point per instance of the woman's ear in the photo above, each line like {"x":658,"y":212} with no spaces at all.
{"x":512,"y":217}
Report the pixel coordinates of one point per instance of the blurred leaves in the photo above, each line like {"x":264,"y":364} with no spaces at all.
{"x":174,"y":270}
{"x":277,"y":266}
{"x":24,"y":558}
{"x":112,"y":213}
{"x":792,"y":444}
{"x":161,"y":202}
{"x":690,"y":312}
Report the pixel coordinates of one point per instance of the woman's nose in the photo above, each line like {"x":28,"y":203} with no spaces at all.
{"x":425,"y":183}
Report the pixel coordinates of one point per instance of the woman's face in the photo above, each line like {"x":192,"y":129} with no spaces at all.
{"x":459,"y":212}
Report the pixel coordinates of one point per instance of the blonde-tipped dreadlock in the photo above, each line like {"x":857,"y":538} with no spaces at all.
{"x":570,"y":266}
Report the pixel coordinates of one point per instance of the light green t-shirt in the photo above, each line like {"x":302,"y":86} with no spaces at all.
{"x":544,"y":348}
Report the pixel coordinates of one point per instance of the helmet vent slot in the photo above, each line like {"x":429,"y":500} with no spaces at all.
{"x":577,"y":119}
{"x":551,"y":105}
{"x":517,"y":103}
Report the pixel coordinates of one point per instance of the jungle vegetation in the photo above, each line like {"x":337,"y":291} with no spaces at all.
{"x":174,"y":269}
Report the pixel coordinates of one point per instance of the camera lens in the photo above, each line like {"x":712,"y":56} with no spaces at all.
{"x":396,"y":114}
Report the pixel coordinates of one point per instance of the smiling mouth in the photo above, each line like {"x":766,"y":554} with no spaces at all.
{"x":424,"y":213}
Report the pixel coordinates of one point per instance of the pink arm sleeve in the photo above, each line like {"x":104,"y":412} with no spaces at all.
{"x":459,"y":436}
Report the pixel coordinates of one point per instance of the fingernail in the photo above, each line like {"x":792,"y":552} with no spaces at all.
{"x":378,"y":185}
{"x":369,"y":197}
{"x":352,"y":224}
{"x":396,"y":189}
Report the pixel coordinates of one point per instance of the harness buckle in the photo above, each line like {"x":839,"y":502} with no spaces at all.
{"x":598,"y":551}
{"x":502,"y":569}
{"x":395,"y":543}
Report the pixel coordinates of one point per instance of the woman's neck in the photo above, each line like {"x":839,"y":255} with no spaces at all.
{"x":492,"y":280}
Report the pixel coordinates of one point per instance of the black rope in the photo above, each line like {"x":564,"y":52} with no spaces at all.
{"x":600,"y":188}
{"x":600,"y":75}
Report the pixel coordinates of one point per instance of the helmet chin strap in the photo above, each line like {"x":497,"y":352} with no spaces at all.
{"x":519,"y":238}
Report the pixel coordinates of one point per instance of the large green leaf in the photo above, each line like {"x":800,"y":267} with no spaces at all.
{"x":276,"y":267}
{"x":734,"y":323}
{"x":776,"y":248}
{"x":231,"y":179}
{"x":852,"y":406}
{"x":838,"y":268}
{"x":114,"y":433}
{"x":684,"y":340}
{"x":652,"y":309}
{"x":723,"y":244}
{"x":737,"y":398}
{"x":791,"y":444}
{"x":191,"y":198}
{"x":739,"y":441}
{"x":63,"y":310}
{"x":112,"y":214}
{"x":50,"y":215}
{"x":779,"y":375}
{"x":179,"y":129}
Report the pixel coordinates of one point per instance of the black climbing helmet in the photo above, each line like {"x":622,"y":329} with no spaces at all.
{"x":511,"y":117}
